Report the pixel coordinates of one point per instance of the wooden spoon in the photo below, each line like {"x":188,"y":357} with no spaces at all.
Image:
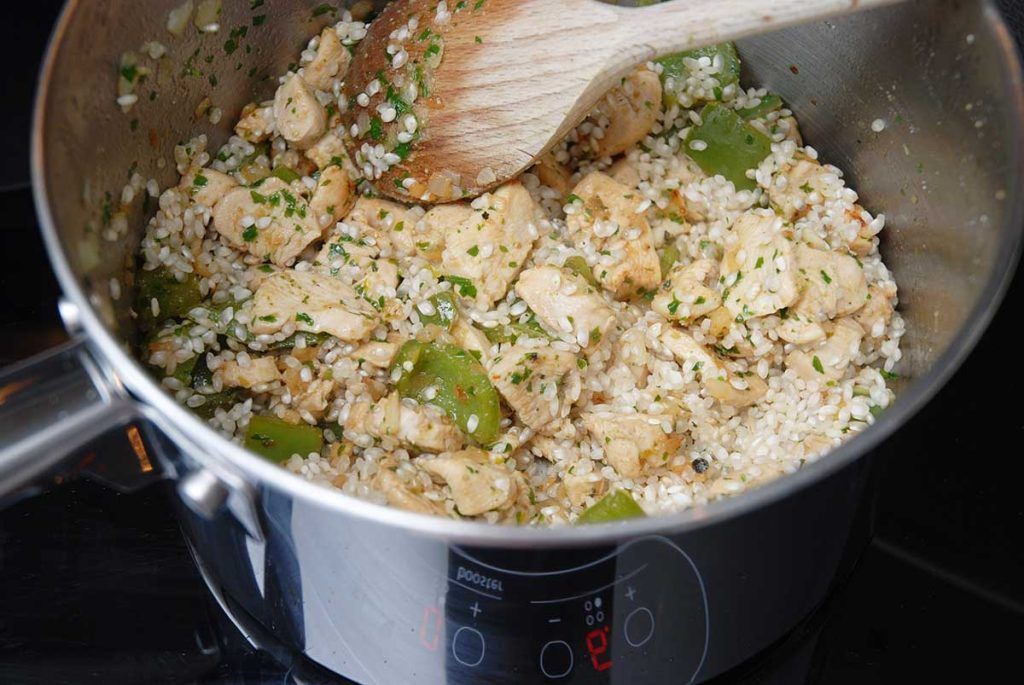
{"x":449,"y":99}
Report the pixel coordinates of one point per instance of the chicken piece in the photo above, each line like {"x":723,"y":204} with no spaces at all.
{"x":688,"y":293}
{"x":632,"y":109}
{"x":553,"y":174}
{"x":877,"y":312}
{"x":256,"y":123}
{"x":582,"y":487}
{"x":315,"y":303}
{"x":477,"y":486}
{"x":832,"y":285}
{"x":309,"y":396}
{"x":807,"y":182}
{"x":629,"y":441}
{"x":299,"y":116}
{"x":791,"y":130}
{"x":536,"y":383}
{"x":470,"y":338}
{"x":269,"y":221}
{"x":206,"y":186}
{"x":728,"y":388}
{"x":565,"y":302}
{"x":412,"y":424}
{"x":331,"y":61}
{"x":490,"y":245}
{"x":758,"y":268}
{"x":396,"y":228}
{"x":691,"y":206}
{"x":341,"y":254}
{"x":550,"y":448}
{"x":624,"y":171}
{"x":258,"y":371}
{"x":827,"y":361}
{"x":401,"y":495}
{"x":721,"y":320}
{"x":376,"y":353}
{"x":380,"y":282}
{"x":611,"y":223}
{"x":333,"y":197}
{"x":330,"y":150}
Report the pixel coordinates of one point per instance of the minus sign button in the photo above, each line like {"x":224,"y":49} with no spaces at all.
{"x":554,"y":620}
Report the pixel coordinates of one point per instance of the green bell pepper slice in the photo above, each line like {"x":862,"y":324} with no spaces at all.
{"x":674,"y":66}
{"x":445,"y":311}
{"x":175,"y":298}
{"x":512,"y":332}
{"x":285,"y":173}
{"x":579,"y":265}
{"x":615,"y":506}
{"x":460,"y":385}
{"x":733,"y":145}
{"x":278,"y":440}
{"x":667,"y":258}
{"x":769,"y":103}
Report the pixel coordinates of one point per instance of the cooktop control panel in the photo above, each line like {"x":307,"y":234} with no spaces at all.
{"x":636,"y":615}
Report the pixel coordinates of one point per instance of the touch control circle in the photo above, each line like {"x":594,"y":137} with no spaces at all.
{"x":639,"y":626}
{"x":468,"y":646}
{"x":556,"y":659}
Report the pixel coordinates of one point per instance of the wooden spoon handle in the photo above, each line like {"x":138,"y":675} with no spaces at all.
{"x":648,"y":32}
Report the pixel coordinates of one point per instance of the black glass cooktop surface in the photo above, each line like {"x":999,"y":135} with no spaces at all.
{"x":98,"y":587}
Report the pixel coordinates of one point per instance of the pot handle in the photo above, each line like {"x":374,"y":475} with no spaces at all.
{"x":50,"y":405}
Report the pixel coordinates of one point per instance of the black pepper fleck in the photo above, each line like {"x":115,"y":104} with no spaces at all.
{"x":700,"y":464}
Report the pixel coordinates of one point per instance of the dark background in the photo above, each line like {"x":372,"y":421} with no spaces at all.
{"x":97,"y":587}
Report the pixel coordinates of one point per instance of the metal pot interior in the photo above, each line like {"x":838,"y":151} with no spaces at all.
{"x":942,"y":76}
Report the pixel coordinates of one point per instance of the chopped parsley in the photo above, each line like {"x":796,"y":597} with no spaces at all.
{"x":816,"y":363}
{"x":304,"y":318}
{"x":464,"y":285}
{"x":250,"y":234}
{"x":825,"y":277}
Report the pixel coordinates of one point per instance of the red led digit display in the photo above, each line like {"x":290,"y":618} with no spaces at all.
{"x":597,"y":645}
{"x":430,"y":628}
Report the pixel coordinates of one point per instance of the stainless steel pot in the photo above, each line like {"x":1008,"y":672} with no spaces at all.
{"x":386,"y":596}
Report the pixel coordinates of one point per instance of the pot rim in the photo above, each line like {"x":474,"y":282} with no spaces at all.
{"x":204,"y":443}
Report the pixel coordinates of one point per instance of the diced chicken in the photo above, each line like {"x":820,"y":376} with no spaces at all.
{"x":341,"y":254}
{"x":470,"y":338}
{"x":688,"y":293}
{"x":377,"y":353}
{"x":396,"y":228}
{"x":206,"y":186}
{"x":309,"y":396}
{"x":790,"y":130}
{"x":538,"y":384}
{"x":806,"y":183}
{"x":612,"y":223}
{"x":489,"y":246}
{"x":691,"y":205}
{"x":270,"y":221}
{"x":380,"y":281}
{"x":412,"y":424}
{"x":629,"y":441}
{"x":258,"y":371}
{"x":477,"y":486}
{"x":737,"y":391}
{"x":728,"y":388}
{"x":582,"y":487}
{"x":876,"y":313}
{"x":401,"y":495}
{"x":328,"y":151}
{"x":631,"y":108}
{"x":331,"y":61}
{"x":256,"y":123}
{"x":299,"y":116}
{"x":827,"y":361}
{"x":624,"y":171}
{"x":553,"y":174}
{"x":315,"y":303}
{"x":333,"y":197}
{"x":721,"y":320}
{"x":758,"y":268}
{"x":565,"y":302}
{"x":831,"y":284}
